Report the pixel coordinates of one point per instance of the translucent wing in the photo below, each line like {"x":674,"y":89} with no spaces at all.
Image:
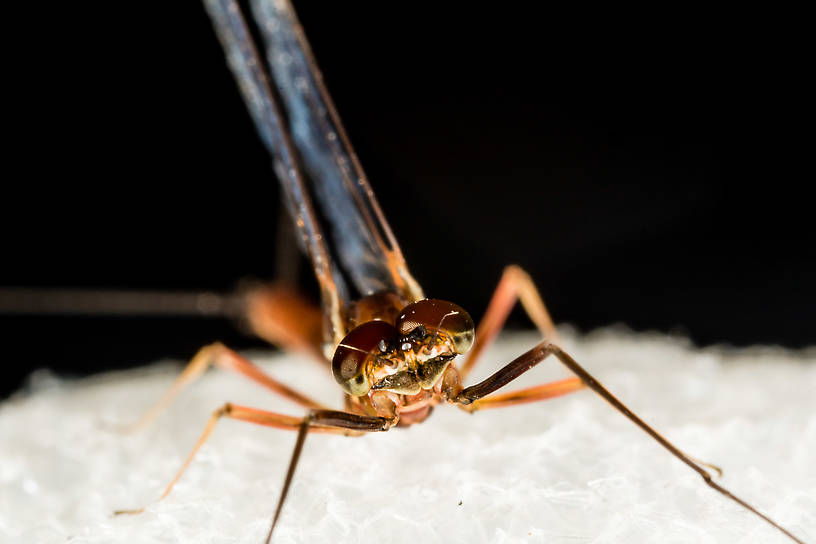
{"x":247,"y":67}
{"x":363,"y":241}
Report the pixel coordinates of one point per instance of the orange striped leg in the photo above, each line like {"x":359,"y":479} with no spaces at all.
{"x":320,"y":421}
{"x":221,"y":356}
{"x":515,"y":285}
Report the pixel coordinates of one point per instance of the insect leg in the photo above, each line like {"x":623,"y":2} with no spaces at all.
{"x":528,"y":360}
{"x":329,"y":420}
{"x":515,"y":285}
{"x":322,"y":421}
{"x":523,"y":396}
{"x":538,"y":393}
{"x":280,"y":316}
{"x":221,"y":356}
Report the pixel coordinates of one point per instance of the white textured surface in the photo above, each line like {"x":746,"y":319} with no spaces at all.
{"x":569,"y":470}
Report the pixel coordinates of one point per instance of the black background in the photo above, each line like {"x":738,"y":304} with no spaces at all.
{"x":646,"y":168}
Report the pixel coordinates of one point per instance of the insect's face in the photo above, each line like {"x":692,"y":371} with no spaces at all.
{"x":406,"y":357}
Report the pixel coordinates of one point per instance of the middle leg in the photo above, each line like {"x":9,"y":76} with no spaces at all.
{"x":515,"y":285}
{"x":221,"y":356}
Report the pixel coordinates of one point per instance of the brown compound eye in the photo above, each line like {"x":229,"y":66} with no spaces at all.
{"x":438,"y":315}
{"x":352,"y":357}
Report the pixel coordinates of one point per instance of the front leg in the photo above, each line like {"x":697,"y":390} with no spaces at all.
{"x":469,"y":396}
{"x":316,"y":420}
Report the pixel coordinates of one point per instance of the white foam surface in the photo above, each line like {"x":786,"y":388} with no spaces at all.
{"x":569,"y":470}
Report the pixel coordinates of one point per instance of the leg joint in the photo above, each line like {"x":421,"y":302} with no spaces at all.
{"x":223,"y":411}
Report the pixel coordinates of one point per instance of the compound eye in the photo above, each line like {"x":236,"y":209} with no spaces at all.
{"x":352,"y":358}
{"x":438,"y":316}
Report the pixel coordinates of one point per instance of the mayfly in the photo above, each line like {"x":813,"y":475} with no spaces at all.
{"x":394,"y":352}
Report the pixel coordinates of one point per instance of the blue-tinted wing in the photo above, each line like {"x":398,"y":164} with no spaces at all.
{"x":247,"y":67}
{"x":363,"y":241}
